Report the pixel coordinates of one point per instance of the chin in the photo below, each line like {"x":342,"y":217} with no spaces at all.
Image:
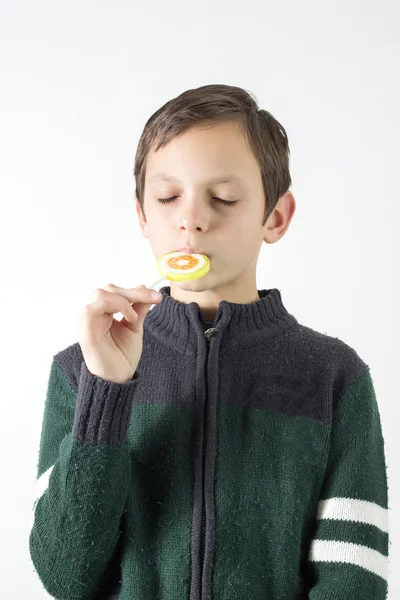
{"x":193,"y":285}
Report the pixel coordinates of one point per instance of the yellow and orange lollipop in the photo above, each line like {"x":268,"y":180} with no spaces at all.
{"x":183,"y":266}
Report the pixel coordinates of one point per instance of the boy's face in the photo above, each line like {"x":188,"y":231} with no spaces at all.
{"x":230,"y":235}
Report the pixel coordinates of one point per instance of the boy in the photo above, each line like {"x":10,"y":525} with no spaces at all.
{"x":244,"y":459}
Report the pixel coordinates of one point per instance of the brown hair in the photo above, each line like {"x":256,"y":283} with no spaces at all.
{"x":215,"y":104}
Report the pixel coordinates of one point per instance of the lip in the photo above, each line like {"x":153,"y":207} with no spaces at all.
{"x":191,"y":250}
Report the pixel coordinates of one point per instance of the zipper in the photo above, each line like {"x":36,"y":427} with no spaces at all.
{"x":207,"y":334}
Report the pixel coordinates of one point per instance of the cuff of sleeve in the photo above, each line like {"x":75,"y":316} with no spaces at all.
{"x":103,"y":408}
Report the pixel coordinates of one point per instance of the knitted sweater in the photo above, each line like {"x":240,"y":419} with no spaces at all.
{"x":242,"y":461}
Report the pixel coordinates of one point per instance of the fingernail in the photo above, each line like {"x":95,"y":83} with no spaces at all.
{"x":155,"y":295}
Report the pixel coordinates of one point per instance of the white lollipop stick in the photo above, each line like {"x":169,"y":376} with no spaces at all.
{"x":156,"y":282}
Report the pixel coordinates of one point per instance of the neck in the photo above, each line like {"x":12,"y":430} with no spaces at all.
{"x":208,"y":298}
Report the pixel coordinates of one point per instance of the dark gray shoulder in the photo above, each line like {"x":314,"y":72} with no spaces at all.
{"x":70,"y":360}
{"x":335,"y":360}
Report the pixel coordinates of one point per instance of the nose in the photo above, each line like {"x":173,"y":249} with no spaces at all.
{"x":186,"y":227}
{"x":193,"y":214}
{"x":192,"y":222}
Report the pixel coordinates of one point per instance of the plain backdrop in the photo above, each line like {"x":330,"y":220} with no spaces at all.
{"x":78,"y":81}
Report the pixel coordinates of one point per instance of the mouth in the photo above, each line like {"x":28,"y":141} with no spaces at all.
{"x":190,"y":250}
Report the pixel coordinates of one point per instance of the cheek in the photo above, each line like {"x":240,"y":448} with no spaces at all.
{"x":156,"y":224}
{"x":232,"y":249}
{"x":242,"y":242}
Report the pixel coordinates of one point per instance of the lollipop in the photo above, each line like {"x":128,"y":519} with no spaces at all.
{"x":182,"y":266}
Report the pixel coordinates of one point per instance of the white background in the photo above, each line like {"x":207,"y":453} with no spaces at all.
{"x":78,"y":81}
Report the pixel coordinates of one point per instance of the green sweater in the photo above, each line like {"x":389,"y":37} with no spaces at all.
{"x":241,"y":462}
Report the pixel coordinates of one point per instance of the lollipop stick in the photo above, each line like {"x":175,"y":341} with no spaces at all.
{"x":156,"y":282}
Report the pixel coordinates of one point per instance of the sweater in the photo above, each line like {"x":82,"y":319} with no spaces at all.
{"x":243,"y":460}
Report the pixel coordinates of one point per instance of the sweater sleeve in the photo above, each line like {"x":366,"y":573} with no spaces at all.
{"x":82,"y":484}
{"x":348,"y":555}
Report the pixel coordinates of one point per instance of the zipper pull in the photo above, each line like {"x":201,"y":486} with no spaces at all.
{"x":208,"y":333}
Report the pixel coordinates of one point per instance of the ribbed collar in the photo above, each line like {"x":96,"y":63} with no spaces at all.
{"x":180,"y":325}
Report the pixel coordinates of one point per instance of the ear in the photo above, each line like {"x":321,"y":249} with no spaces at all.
{"x":280,"y":218}
{"x":141,"y":217}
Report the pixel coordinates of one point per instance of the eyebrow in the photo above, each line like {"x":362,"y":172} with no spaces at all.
{"x":224,"y":179}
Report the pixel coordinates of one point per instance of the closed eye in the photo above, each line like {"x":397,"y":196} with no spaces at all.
{"x":225,"y":202}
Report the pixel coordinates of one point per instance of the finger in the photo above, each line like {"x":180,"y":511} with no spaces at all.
{"x":140,"y":294}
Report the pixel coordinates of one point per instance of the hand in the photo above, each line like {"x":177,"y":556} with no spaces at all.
{"x":112,"y":348}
